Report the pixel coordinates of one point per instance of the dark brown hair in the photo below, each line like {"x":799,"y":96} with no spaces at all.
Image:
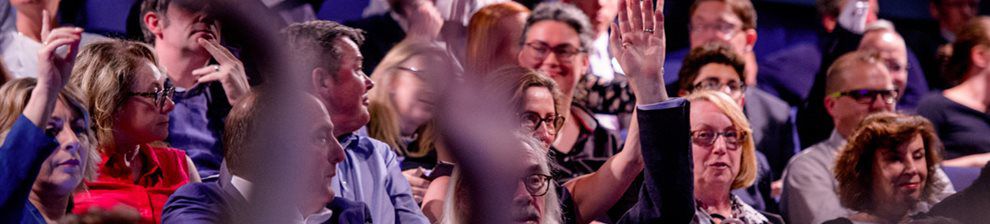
{"x":704,"y":55}
{"x":854,"y":168}
{"x":315,"y":42}
{"x":973,"y":34}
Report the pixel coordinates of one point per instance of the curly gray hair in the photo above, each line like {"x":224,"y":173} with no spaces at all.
{"x":561,"y":12}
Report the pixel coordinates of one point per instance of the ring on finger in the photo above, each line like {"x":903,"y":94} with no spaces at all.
{"x":648,"y":30}
{"x":216,"y":68}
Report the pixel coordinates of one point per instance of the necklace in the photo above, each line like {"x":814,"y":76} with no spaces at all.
{"x":733,"y":217}
{"x":130,"y":158}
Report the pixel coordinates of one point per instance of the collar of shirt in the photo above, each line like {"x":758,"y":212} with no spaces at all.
{"x":241,"y":185}
{"x":835,"y":141}
{"x":114,"y":167}
{"x":321,"y":216}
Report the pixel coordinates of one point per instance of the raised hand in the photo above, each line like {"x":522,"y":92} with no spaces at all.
{"x":638,"y":42}
{"x":425,"y":21}
{"x":229,"y":72}
{"x":54,"y":68}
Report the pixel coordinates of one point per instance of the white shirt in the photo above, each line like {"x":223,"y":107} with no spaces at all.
{"x":601,"y":61}
{"x":20,"y":53}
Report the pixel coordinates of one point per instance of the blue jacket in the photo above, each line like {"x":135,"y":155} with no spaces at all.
{"x":213,"y":202}
{"x":24,"y":150}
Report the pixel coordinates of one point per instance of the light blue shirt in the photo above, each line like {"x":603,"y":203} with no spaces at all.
{"x":370,"y":173}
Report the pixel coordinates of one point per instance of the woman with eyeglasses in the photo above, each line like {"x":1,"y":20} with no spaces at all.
{"x":130,"y":99}
{"x":961,"y":114}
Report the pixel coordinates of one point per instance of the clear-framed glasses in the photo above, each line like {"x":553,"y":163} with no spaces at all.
{"x":537,"y":184}
{"x":868,"y":96}
{"x":724,"y":28}
{"x":564,"y":52}
{"x":159,"y":95}
{"x":735,"y":88}
{"x":532,"y":121}
{"x":707,"y":138}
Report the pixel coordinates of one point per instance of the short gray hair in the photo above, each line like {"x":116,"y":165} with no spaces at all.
{"x":316,"y":41}
{"x":560,"y":12}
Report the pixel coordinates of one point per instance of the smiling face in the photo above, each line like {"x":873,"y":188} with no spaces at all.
{"x":139,"y":119}
{"x":900,"y":174}
{"x":553,"y":34}
{"x":719,"y":163}
{"x":63,"y":170}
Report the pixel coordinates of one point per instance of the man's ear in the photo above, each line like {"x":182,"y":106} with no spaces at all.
{"x":321,"y":79}
{"x":829,"y":105}
{"x":750,"y":39}
{"x":153,"y":22}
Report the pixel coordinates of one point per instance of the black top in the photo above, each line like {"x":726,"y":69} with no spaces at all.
{"x":381,"y":33}
{"x":963,"y":130}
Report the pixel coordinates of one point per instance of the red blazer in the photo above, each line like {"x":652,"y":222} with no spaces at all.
{"x":165,"y":171}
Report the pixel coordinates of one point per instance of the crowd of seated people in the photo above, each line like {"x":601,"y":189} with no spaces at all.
{"x":519,"y":112}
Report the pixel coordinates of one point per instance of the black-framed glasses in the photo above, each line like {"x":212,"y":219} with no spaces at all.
{"x":707,"y":137}
{"x":537,"y":184}
{"x":735,"y":88}
{"x":160,"y":94}
{"x":564,"y":52}
{"x":868,"y":96}
{"x":532,"y":121}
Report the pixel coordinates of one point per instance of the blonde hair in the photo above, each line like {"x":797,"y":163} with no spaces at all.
{"x":384,"y":124}
{"x":456,"y":208}
{"x":105,"y":72}
{"x":483,"y":41}
{"x":747,"y":169}
{"x":512,"y":81}
{"x":16,"y":94}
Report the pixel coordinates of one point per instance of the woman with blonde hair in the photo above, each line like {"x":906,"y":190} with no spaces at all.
{"x":402,"y":107}
{"x":45,"y":143}
{"x":130,"y":100}
{"x":493,"y":37}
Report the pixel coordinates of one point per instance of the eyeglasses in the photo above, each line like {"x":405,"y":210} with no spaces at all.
{"x":537,"y":184}
{"x":868,"y":96}
{"x":735,"y":88}
{"x":160,"y":94}
{"x":564,"y":52}
{"x":532,"y":121}
{"x":726,"y":28}
{"x":707,"y":138}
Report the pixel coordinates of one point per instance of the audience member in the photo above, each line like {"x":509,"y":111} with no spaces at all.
{"x":130,"y":99}
{"x":691,"y":182}
{"x":968,"y":205}
{"x":535,"y":199}
{"x":493,"y":37}
{"x":716,"y":67}
{"x":960,"y":113}
{"x":911,"y":86}
{"x":402,"y":111}
{"x":412,"y":18}
{"x":858,"y":84}
{"x":932,"y":43}
{"x":888,"y":170}
{"x":45,"y":140}
{"x":186,"y":39}
{"x":224,"y":200}
{"x":18,"y":46}
{"x":370,"y":170}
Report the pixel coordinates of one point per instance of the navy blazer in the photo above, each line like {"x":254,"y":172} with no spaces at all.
{"x":212,"y":202}
{"x":21,"y":156}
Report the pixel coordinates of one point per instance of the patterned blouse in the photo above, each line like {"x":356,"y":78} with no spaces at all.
{"x":741,"y":214}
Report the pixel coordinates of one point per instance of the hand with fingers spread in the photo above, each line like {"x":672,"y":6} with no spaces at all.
{"x":638,"y":42}
{"x":425,"y":21}
{"x":229,"y":72}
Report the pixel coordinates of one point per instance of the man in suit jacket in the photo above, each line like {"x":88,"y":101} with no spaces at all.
{"x":232,"y":196}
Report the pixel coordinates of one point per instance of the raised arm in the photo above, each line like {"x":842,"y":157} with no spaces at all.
{"x":53,"y":69}
{"x":638,"y":43}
